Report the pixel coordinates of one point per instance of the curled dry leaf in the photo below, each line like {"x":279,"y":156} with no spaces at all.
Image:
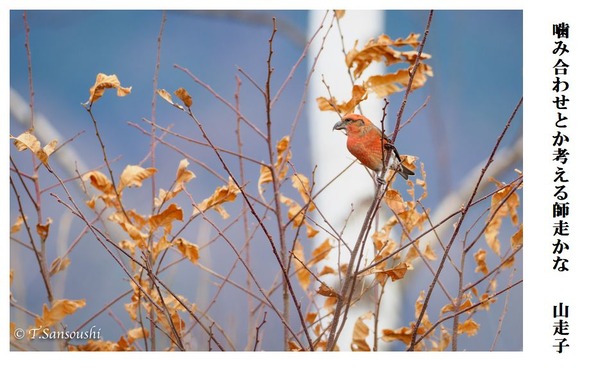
{"x":187,"y":249}
{"x":360,"y":333}
{"x":470,"y":327}
{"x":133,"y":175}
{"x":480,"y":259}
{"x":167,"y":97}
{"x":359,"y":93}
{"x":104,"y":82}
{"x":16,"y":227}
{"x":59,"y":264}
{"x":183,"y":176}
{"x":42,"y":229}
{"x":166,"y":217}
{"x":29,"y":141}
{"x":223,"y":194}
{"x":302,"y":273}
{"x":59,"y":310}
{"x":185,"y":97}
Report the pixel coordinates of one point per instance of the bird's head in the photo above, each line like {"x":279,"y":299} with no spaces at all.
{"x":351,"y":120}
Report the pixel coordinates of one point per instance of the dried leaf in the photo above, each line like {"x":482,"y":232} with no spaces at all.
{"x":339,"y":13}
{"x":133,"y":175}
{"x":360,"y":333}
{"x":99,"y":181}
{"x":59,"y":264}
{"x":16,"y":227}
{"x":302,"y":273}
{"x":450,"y":307}
{"x":182,"y":177}
{"x":470,"y":327}
{"x":300,"y":183}
{"x":185,"y":97}
{"x":223,"y":194}
{"x":166,"y":217}
{"x":29,"y":141}
{"x":327,"y":291}
{"x":403,"y":334}
{"x":187,"y":249}
{"x":516,"y":240}
{"x":326,"y":271}
{"x":380,"y":50}
{"x":321,"y":252}
{"x":395,"y":273}
{"x":137,"y":333}
{"x":480,"y":260}
{"x":42,"y":230}
{"x":104,"y":82}
{"x":395,"y":201}
{"x":59,"y":310}
{"x":429,"y":254}
{"x":359,"y":93}
{"x":167,"y":97}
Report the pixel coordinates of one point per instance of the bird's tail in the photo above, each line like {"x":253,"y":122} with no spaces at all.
{"x":397,"y":164}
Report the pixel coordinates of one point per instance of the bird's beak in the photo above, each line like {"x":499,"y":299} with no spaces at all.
{"x":339,"y":126}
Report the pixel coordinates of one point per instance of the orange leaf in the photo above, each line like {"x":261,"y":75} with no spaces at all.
{"x":42,"y":230}
{"x":187,"y":249}
{"x":29,"y":141}
{"x":100,"y":181}
{"x":321,"y":252}
{"x":480,"y":258}
{"x":359,"y":93}
{"x":302,"y":273}
{"x":360,"y":333}
{"x":339,"y":13}
{"x":469,"y":327}
{"x":59,"y":264}
{"x":166,"y":218}
{"x":104,"y":82}
{"x":517,"y":239}
{"x":185,"y":97}
{"x":133,"y":175}
{"x":16,"y":227}
{"x":403,"y":334}
{"x":300,"y":183}
{"x":327,"y":291}
{"x":223,"y":194}
{"x":59,"y":310}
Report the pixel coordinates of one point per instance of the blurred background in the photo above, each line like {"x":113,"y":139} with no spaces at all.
{"x":477,"y":63}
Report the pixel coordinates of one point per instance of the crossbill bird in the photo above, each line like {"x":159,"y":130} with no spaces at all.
{"x":369,"y":145}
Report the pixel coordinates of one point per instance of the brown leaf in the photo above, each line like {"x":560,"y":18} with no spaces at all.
{"x":16,"y":227}
{"x":166,"y":217}
{"x":104,"y":82}
{"x":339,"y":13}
{"x":360,"y":334}
{"x":302,"y":273}
{"x":59,"y":310}
{"x":29,"y":141}
{"x":185,"y":97}
{"x":167,"y":97}
{"x":380,"y":50}
{"x":133,"y":175}
{"x":59,"y":264}
{"x":327,"y":291}
{"x":42,"y":230}
{"x":187,"y":249}
{"x":403,"y":334}
{"x":517,"y":239}
{"x":182,"y":177}
{"x":301,"y":183}
{"x":99,"y":181}
{"x":470,"y":327}
{"x":359,"y":93}
{"x":480,"y":260}
{"x":321,"y":252}
{"x":223,"y":194}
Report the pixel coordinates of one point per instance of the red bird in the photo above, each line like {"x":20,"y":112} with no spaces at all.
{"x":367,"y":143}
